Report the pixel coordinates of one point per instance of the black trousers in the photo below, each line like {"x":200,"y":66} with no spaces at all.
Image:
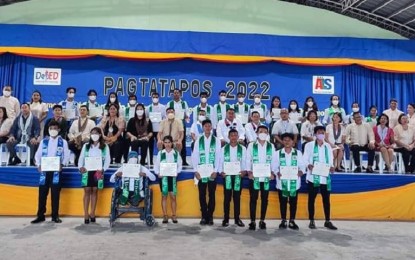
{"x":116,"y":151}
{"x":151,"y":142}
{"x":228,"y":195}
{"x":207,"y":208}
{"x":125,"y":147}
{"x":253,"y":200}
{"x":183,"y":151}
{"x":43,"y":195}
{"x":312,"y":194}
{"x":75,"y":150}
{"x":356,"y":157}
{"x":143,"y":144}
{"x":406,"y":155}
{"x":283,"y":205}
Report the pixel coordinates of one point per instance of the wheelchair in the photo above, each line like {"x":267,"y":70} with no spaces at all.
{"x":143,"y":207}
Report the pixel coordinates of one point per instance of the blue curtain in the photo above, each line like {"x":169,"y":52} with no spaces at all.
{"x":368,"y":87}
{"x":13,"y":73}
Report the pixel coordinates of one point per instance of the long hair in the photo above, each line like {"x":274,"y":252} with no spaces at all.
{"x":40,"y":95}
{"x":116,"y":106}
{"x":295,"y":110}
{"x":5,"y":116}
{"x":100,"y":141}
{"x":143,"y":120}
{"x":272,"y":102}
{"x":107,"y":105}
{"x":305,"y":107}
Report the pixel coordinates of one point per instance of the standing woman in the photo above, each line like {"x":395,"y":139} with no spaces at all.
{"x":96,"y":147}
{"x":39,"y":109}
{"x":5,"y":125}
{"x":384,"y":139}
{"x":411,"y":114}
{"x":112,"y":126}
{"x":112,"y":99}
{"x":336,"y":137}
{"x":309,"y":104}
{"x":270,"y":117}
{"x":168,"y":185}
{"x":334,"y":107}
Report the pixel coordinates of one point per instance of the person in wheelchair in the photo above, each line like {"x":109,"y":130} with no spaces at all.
{"x":131,"y":189}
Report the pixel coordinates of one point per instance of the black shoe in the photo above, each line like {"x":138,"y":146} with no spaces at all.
{"x":165,"y":220}
{"x":57,"y":220}
{"x":93,"y":220}
{"x":262,"y":225}
{"x":312,"y":225}
{"x":252,"y":225}
{"x":203,"y":222}
{"x":369,"y":170}
{"x":358,"y":169}
{"x":174,"y":219}
{"x":15,"y":161}
{"x":185,"y":164}
{"x":86,"y":221}
{"x":339,"y":170}
{"x":210,"y":222}
{"x":293,"y":226}
{"x":32,"y":162}
{"x":239,"y":223}
{"x":225,"y":223}
{"x":329,"y":225}
{"x":283,"y":224}
{"x":37,"y":220}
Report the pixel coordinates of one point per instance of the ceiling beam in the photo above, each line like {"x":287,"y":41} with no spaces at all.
{"x":346,"y":4}
{"x":404,"y":8}
{"x":381,"y":6}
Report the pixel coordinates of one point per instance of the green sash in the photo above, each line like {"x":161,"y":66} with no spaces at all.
{"x":84,"y":181}
{"x":333,"y":110}
{"x":164,"y":182}
{"x":316,"y":178}
{"x":256,"y":160}
{"x":183,"y":103}
{"x":219,"y":111}
{"x":228,"y":178}
{"x":126,"y":192}
{"x":207,"y":110}
{"x":284,"y":183}
{"x":262,"y":107}
{"x":236,"y":107}
{"x":211,"y":152}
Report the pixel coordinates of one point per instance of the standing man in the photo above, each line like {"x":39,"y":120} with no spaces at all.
{"x":259,"y":152}
{"x":57,"y":116}
{"x":242,"y":109}
{"x":288,"y":188}
{"x":393,"y":113}
{"x":319,"y":152}
{"x":11,"y":103}
{"x":232,"y":184}
{"x":207,"y":151}
{"x":25,"y":130}
{"x":156,"y":112}
{"x":202,"y":106}
{"x":70,"y":106}
{"x":228,"y":123}
{"x":219,"y":109}
{"x":52,"y":146}
{"x":258,"y":106}
{"x":182,"y":113}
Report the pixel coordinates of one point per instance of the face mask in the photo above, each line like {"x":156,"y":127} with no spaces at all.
{"x":335,"y":102}
{"x":7,"y":93}
{"x":310,"y":103}
{"x":263,"y":136}
{"x":139,"y":112}
{"x":203,"y":100}
{"x":202,"y":118}
{"x":112,"y":100}
{"x":170,"y":116}
{"x":155,"y":100}
{"x":355,"y":109}
{"x":320,"y":136}
{"x":222,"y":98}
{"x":95,"y":137}
{"x":132,"y":102}
{"x":257,"y":100}
{"x":293,"y":107}
{"x":92,"y":98}
{"x":241,"y":99}
{"x":71,"y":95}
{"x":133,"y":161}
{"x":53,"y":132}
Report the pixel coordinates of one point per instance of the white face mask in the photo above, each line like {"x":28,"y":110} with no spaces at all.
{"x":310,"y":103}
{"x":112,"y":100}
{"x":320,"y":136}
{"x":7,"y":93}
{"x":203,"y":100}
{"x":335,"y":102}
{"x":170,"y":116}
{"x":133,"y":161}
{"x":155,"y":100}
{"x":132,"y":102}
{"x":139,"y":112}
{"x":71,"y":95}
{"x":222,"y":98}
{"x":202,"y":118}
{"x":53,"y":132}
{"x":94,"y":137}
{"x":241,"y":99}
{"x":257,"y":100}
{"x":263,"y":136}
{"x":92,"y":98}
{"x":293,"y":107}
{"x":355,"y":109}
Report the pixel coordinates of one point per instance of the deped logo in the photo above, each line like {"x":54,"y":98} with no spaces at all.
{"x":47,"y":76}
{"x":323,"y":85}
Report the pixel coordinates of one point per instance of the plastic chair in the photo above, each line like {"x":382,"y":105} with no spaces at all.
{"x":4,"y":154}
{"x":20,"y":150}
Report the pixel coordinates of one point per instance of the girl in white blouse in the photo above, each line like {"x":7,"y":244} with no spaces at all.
{"x":336,"y":137}
{"x":39,"y":109}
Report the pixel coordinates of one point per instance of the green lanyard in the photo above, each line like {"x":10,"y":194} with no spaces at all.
{"x":227,"y":158}
{"x":256,"y":160}
{"x":219,"y":110}
{"x":211,"y":152}
{"x":164,"y":181}
{"x":288,"y":190}
{"x":316,"y":178}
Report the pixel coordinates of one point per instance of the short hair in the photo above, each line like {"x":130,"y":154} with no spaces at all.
{"x":168,"y":137}
{"x":255,"y":112}
{"x":169,"y":108}
{"x":132,"y":95}
{"x":319,"y":127}
{"x":261,"y":127}
{"x":222,"y":92}
{"x":203,"y":93}
{"x":206,"y":121}
{"x":393,"y":100}
{"x":85,"y":106}
{"x":232,"y":131}
{"x":230,"y":109}
{"x":54,"y":123}
{"x":57,"y":106}
{"x":92,"y":91}
{"x":400,"y":118}
{"x":25,"y":103}
{"x":70,"y":88}
{"x":289,"y":135}
{"x":311,"y":112}
{"x":180,"y":91}
{"x":241,"y":93}
{"x":155,"y":93}
{"x":355,"y":113}
{"x":339,"y":115}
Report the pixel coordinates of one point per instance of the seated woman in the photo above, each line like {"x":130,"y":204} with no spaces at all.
{"x":113,"y":126}
{"x":5,"y":125}
{"x":132,"y":187}
{"x":405,"y":142}
{"x":168,"y":185}
{"x":336,"y":137}
{"x":384,"y":139}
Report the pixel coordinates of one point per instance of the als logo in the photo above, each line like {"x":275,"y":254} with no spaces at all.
{"x":323,"y":85}
{"x":47,"y":76}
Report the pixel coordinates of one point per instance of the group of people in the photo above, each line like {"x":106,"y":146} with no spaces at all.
{"x":224,"y":133}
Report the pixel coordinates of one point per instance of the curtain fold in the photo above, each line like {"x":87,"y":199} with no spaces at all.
{"x":13,"y":71}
